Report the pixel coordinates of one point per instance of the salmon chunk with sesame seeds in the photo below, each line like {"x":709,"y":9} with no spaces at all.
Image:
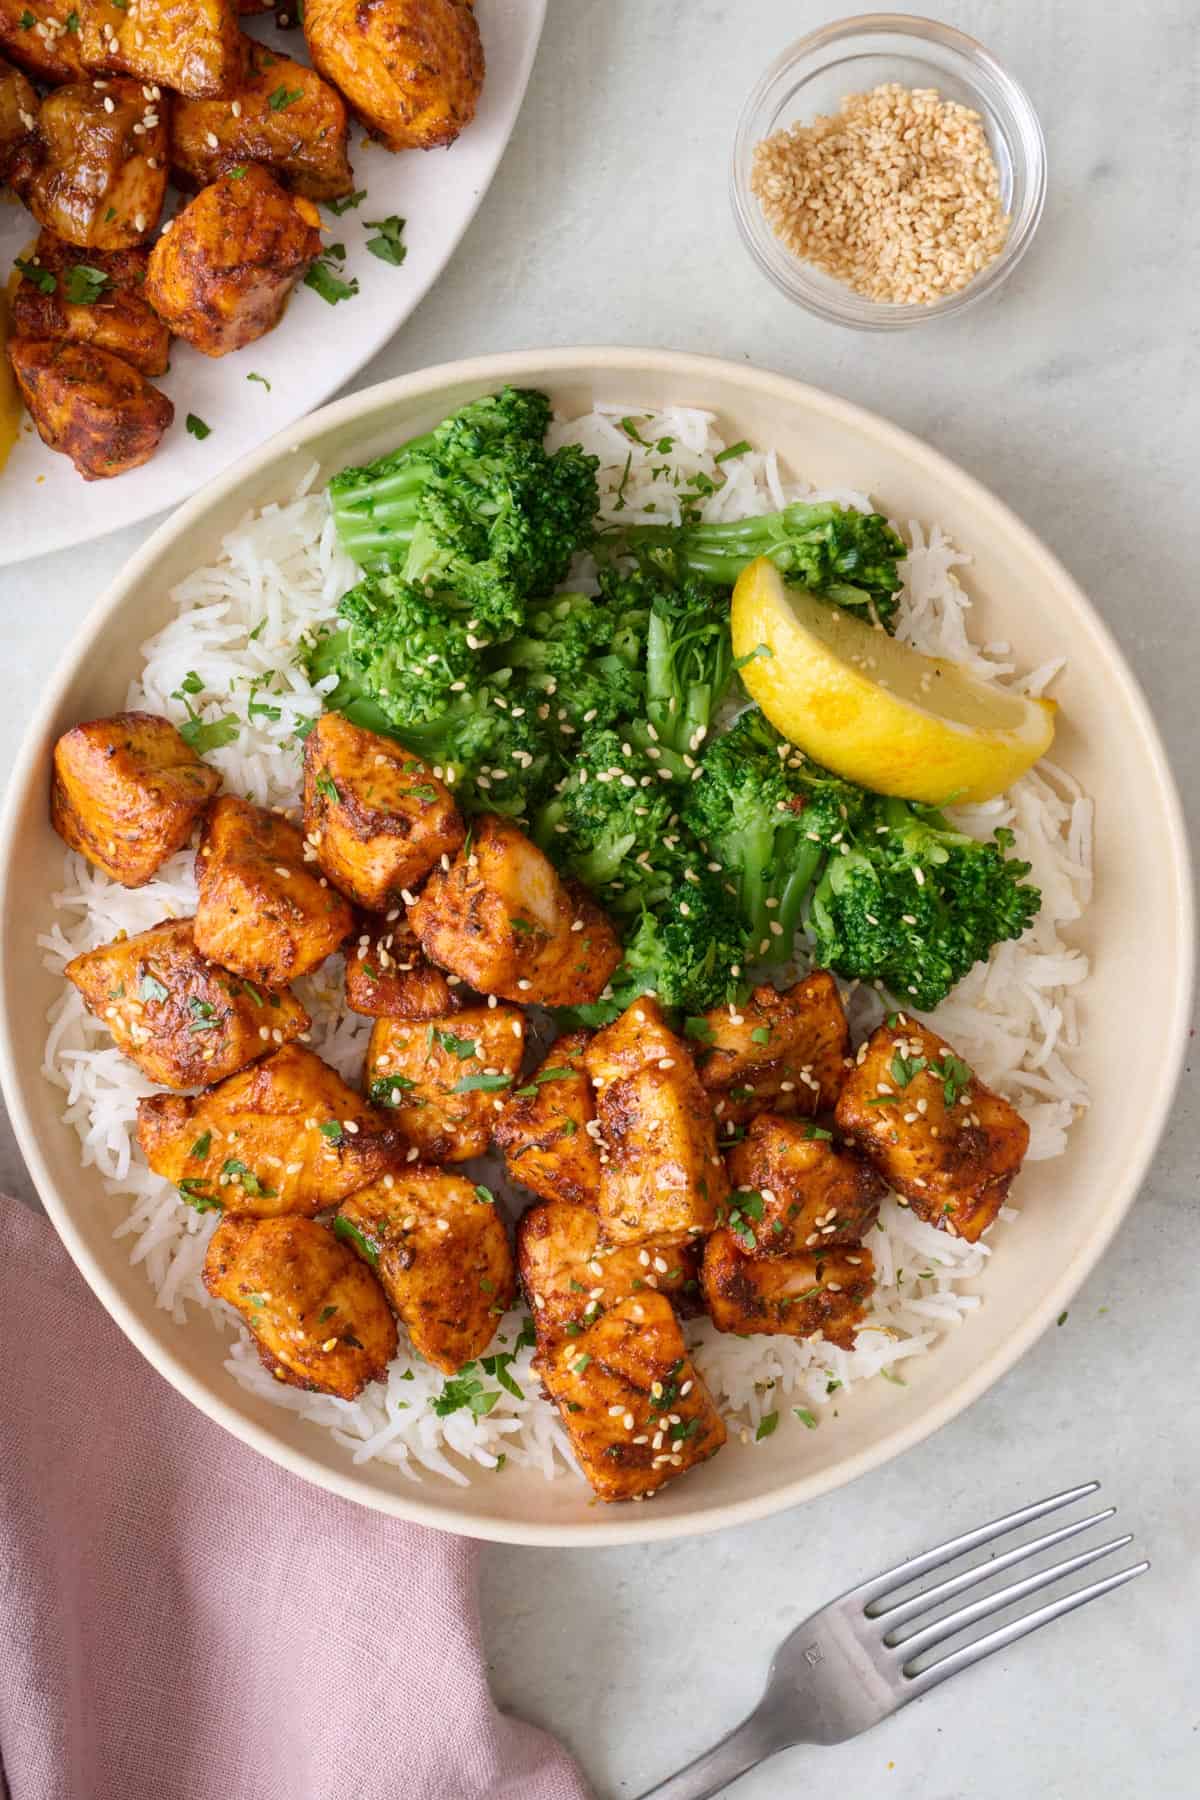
{"x":548,"y":1129}
{"x":179,"y":1017}
{"x":318,"y":1316}
{"x":194,"y":49}
{"x":501,"y":918}
{"x":283,"y":1136}
{"x":936,"y":1133}
{"x":376,"y":815}
{"x":783,"y":1052}
{"x":127,"y":793}
{"x":797,"y":1189}
{"x":93,"y":171}
{"x":389,"y":976}
{"x":444,"y":1079}
{"x":264,"y":909}
{"x":36,"y":36}
{"x":661,"y":1178}
{"x":571,"y":1276}
{"x":824,"y":1293}
{"x":440,"y":1249}
{"x":635,"y":1409}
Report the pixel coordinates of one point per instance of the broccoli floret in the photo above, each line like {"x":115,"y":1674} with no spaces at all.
{"x":915,"y":904}
{"x":689,"y":954}
{"x":769,"y":816}
{"x":688,"y":651}
{"x":584,"y":657}
{"x":610,"y":825}
{"x":397,"y":647}
{"x":494,"y":761}
{"x":476,"y":509}
{"x":849,"y":558}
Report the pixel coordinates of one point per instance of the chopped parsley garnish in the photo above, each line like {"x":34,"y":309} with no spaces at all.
{"x":197,"y":427}
{"x":202,"y":1145}
{"x":339,"y":207}
{"x":85,"y":284}
{"x":42,"y":279}
{"x":1062,"y":1318}
{"x":805,"y":1417}
{"x":465,"y":1390}
{"x":152,"y":989}
{"x":761,"y":1034}
{"x":195,"y":1192}
{"x":890,"y":1375}
{"x":699,"y":1029}
{"x":237,"y":173}
{"x":325,"y":280}
{"x":281,"y":98}
{"x":741,"y":449}
{"x":760,"y":652}
{"x":531,"y":1087}
{"x":199,"y":736}
{"x":766,"y":1425}
{"x":325,"y":784}
{"x":818,"y":1131}
{"x":26,"y":20}
{"x":619,"y":505}
{"x":72,"y":21}
{"x":581,"y":1362}
{"x":905,"y":1068}
{"x":325,"y":1313}
{"x":346,"y":1228}
{"x":261,"y":379}
{"x":382,"y":1089}
{"x":388,"y":246}
{"x":246,"y":1179}
{"x":191,"y":684}
{"x":464,"y":1048}
{"x":331,"y":1129}
{"x":481,"y":1084}
{"x":954,"y":1075}
{"x":484,"y":1195}
{"x":497,"y":1367}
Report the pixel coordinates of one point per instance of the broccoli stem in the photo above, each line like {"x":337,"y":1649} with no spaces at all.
{"x":803,"y":869}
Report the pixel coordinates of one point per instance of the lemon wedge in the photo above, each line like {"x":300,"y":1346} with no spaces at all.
{"x":874,"y":710}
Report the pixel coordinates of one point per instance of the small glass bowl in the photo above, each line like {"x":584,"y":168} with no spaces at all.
{"x":814,"y":74}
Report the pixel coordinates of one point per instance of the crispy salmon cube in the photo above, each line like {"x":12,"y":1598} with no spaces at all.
{"x":116,"y":319}
{"x":93,"y":172}
{"x":546,"y":1129}
{"x":89,"y":405}
{"x":317,"y":1314}
{"x":571,"y":1276}
{"x":374,"y":813}
{"x":127,"y":792}
{"x":635,"y":1409}
{"x":180,"y":1018}
{"x":302,"y":142}
{"x":389,"y":976}
{"x":195,"y":49}
{"x":784,"y":1052}
{"x":18,"y":112}
{"x":443,"y":1079}
{"x":35,"y":34}
{"x":810,"y":1193}
{"x":932,"y":1129}
{"x":263,"y":911}
{"x":501,"y":919}
{"x":284,"y":1136}
{"x":441,"y":1251}
{"x":412,"y":70}
{"x":221,"y":276}
{"x":661,"y":1179}
{"x":793,"y":1296}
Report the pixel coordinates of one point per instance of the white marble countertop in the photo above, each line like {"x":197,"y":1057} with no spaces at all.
{"x":1074,"y":398}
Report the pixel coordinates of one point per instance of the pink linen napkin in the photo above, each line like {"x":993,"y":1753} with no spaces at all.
{"x":182,"y":1620}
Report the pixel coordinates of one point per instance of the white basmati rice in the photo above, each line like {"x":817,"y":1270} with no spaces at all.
{"x":278,"y":575}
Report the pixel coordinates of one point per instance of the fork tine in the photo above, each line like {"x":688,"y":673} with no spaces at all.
{"x":957,"y":1621}
{"x":1019,"y":1628}
{"x":908,"y":1571}
{"x":903,"y":1610}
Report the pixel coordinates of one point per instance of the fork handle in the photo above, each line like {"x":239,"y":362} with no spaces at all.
{"x":744,"y":1748}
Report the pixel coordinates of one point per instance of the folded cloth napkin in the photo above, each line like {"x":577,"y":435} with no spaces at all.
{"x":183,"y":1620}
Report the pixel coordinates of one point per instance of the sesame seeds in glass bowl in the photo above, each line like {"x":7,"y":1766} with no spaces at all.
{"x":887,"y":171}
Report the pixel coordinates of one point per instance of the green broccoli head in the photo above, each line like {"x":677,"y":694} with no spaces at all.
{"x":584,"y":658}
{"x":476,"y":509}
{"x":688,"y":652}
{"x":914,"y":904}
{"x":610,"y":824}
{"x":398,"y":647}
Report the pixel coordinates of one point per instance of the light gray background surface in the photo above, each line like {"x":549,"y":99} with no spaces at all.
{"x":1074,"y":396}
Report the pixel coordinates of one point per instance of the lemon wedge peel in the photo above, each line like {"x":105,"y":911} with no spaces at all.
{"x":874,"y":710}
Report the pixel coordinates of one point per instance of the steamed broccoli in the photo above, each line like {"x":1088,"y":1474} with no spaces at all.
{"x":688,"y":652}
{"x":583,"y":655}
{"x":689,"y":954}
{"x":476,"y":509}
{"x":849,"y":558}
{"x":915,"y":904}
{"x":611,"y":825}
{"x":396,"y":647}
{"x":769,"y":816}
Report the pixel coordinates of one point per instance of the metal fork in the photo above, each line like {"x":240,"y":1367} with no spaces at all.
{"x":851,"y":1664}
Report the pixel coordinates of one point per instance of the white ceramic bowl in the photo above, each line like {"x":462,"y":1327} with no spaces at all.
{"x":1139,"y":933}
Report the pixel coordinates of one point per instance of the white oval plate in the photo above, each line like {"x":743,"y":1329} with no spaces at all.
{"x":316,"y":348}
{"x":1138,"y":932}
